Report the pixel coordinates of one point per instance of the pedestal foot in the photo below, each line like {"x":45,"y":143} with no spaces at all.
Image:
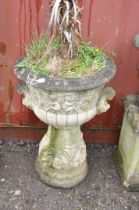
{"x":61,"y":161}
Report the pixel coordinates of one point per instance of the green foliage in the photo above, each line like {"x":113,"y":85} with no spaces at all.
{"x":36,"y":48}
{"x":56,"y":44}
{"x":58,"y":55}
{"x":35,"y":51}
{"x":86,"y":60}
{"x":87,"y":55}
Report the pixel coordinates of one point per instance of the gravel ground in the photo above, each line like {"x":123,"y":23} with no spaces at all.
{"x":21,"y":189}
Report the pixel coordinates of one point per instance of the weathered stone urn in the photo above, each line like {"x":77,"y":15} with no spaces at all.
{"x":127,"y":156}
{"x":65,"y":104}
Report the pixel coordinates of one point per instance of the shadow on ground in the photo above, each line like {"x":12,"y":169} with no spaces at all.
{"x":21,"y":189}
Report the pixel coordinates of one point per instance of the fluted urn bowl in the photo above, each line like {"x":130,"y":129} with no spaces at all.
{"x":65,"y":104}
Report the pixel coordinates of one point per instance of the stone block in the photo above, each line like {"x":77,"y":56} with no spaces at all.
{"x":127,"y":157}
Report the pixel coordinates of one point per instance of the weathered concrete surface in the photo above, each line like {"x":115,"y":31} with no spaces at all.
{"x":127,"y":157}
{"x":20,"y":188}
{"x":61,"y":161}
{"x":99,"y":78}
{"x":65,"y":103}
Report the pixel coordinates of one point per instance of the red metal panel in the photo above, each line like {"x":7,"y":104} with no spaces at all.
{"x":108,"y":24}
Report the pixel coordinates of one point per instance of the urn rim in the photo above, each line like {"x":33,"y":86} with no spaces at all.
{"x":66,"y":84}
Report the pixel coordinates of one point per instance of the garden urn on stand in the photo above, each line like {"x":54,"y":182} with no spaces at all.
{"x":64,"y":85}
{"x":65,"y":104}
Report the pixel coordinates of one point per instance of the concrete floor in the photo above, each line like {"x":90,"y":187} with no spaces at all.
{"x":21,"y":189}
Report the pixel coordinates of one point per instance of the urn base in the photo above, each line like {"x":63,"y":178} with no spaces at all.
{"x":62,"y":179}
{"x":61,"y":160}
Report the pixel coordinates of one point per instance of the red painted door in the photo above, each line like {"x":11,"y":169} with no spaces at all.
{"x":108,"y":24}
